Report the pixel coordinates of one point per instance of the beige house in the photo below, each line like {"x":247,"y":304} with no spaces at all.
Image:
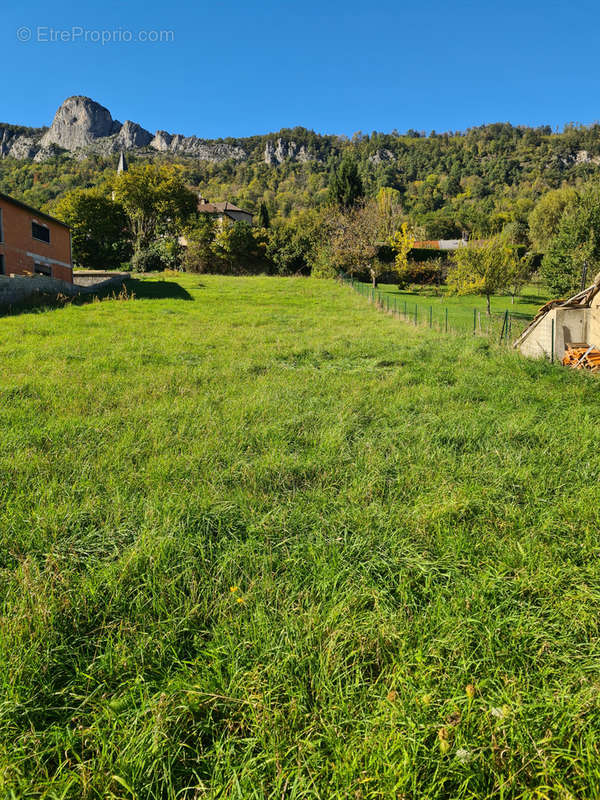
{"x":561,"y":323}
{"x":224,"y":210}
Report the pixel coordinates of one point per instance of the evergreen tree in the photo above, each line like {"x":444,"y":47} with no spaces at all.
{"x":263,"y":216}
{"x":345,"y":184}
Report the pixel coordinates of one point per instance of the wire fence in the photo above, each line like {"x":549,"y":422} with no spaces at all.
{"x":503,"y":327}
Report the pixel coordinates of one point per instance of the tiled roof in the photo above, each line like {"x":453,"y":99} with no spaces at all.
{"x":227,"y":206}
{"x":204,"y":207}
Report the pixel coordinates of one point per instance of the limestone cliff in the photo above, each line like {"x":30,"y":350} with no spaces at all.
{"x":81,"y":126}
{"x":78,"y":123}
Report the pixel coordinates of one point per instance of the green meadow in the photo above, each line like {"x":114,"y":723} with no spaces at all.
{"x":461,"y":313}
{"x":259,"y":540}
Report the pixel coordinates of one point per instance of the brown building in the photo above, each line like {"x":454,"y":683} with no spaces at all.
{"x":32,"y":242}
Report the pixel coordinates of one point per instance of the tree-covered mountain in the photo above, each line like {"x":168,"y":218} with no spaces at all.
{"x":478,"y":180}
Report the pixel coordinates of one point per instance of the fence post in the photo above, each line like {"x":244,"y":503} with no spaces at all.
{"x":474,"y":321}
{"x":431,"y":316}
{"x":446,"y":320}
{"x":552,"y":357}
{"x":504,"y":326}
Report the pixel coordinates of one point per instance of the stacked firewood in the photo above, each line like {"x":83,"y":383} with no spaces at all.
{"x":582,"y":358}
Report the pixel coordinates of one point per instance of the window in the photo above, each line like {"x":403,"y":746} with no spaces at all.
{"x":42,"y":269}
{"x":1,"y":264}
{"x":40,"y":232}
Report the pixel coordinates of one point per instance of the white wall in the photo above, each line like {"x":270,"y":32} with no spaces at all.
{"x":538,"y":342}
{"x":570,"y":326}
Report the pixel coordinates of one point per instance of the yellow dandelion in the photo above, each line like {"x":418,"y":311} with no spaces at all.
{"x":233,"y":589}
{"x":239,"y":600}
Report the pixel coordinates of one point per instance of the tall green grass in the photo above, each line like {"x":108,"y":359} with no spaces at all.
{"x":259,"y":541}
{"x":460,"y":314}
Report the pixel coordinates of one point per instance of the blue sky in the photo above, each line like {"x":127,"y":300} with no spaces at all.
{"x":240,"y":68}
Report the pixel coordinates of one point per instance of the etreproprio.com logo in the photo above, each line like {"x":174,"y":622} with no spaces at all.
{"x":45,"y":34}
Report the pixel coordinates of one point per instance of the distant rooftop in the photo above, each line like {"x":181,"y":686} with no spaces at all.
{"x":206,"y":207}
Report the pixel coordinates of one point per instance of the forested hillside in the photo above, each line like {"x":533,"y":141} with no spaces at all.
{"x":475,"y":181}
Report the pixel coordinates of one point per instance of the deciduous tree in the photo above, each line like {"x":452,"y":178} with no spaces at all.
{"x":99,"y":229}
{"x":354,"y":236}
{"x":576,"y":243}
{"x":402,"y":242}
{"x":483,"y":267}
{"x":544,"y":220}
{"x":156,"y":200}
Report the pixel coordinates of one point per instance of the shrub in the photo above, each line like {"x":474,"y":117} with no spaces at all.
{"x":162,"y":254}
{"x":323,"y":266}
{"x":199,"y":253}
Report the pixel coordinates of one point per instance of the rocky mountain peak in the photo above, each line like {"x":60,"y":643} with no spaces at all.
{"x":78,"y":122}
{"x":82,"y":126}
{"x":282,"y":150}
{"x":133,"y":135}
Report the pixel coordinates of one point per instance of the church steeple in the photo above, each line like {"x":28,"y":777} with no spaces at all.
{"x":123,"y":166}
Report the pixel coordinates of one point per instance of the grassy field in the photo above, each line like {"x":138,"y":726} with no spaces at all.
{"x":260,"y":541}
{"x":456,"y":312}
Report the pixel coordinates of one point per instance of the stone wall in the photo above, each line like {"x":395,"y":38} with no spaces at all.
{"x":97,"y":279}
{"x":22,"y":287}
{"x":17,"y":289}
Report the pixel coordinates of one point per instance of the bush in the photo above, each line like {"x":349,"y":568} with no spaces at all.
{"x":146,"y":260}
{"x":424,"y":273}
{"x":323,"y":266}
{"x":289,"y":248}
{"x":240,"y":249}
{"x":162,"y":254}
{"x":199,"y":253}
